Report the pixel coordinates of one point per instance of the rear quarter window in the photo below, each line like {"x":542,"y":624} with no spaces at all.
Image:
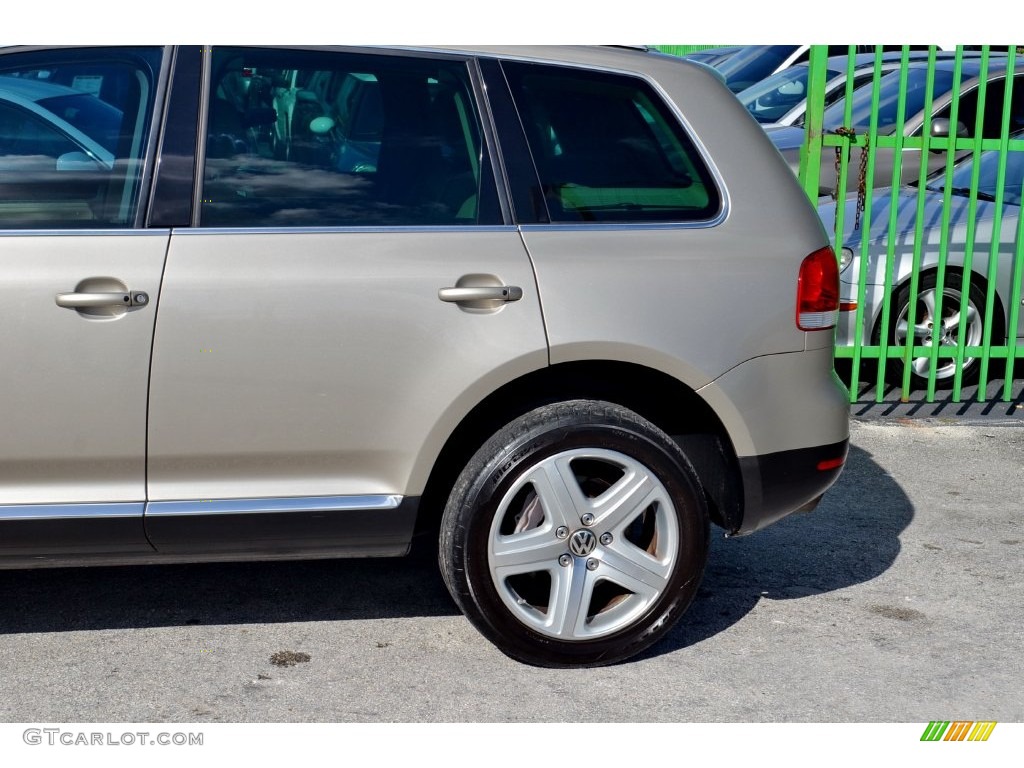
{"x":608,"y":149}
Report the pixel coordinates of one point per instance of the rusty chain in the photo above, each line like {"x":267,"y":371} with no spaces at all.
{"x":851,"y":134}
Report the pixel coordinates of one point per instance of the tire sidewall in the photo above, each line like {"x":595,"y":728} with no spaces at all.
{"x":478,"y":505}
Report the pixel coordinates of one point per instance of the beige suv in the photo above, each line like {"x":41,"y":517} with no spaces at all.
{"x":557,"y":308}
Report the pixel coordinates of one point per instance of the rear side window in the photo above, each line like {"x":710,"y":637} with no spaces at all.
{"x":303,"y":138}
{"x":74,"y":127}
{"x":607,"y":149}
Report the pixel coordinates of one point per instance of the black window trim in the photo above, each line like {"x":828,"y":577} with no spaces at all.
{"x":171,"y":199}
{"x":518,"y":167}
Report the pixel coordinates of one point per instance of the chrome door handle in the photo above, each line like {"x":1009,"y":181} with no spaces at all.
{"x":118,"y":299}
{"x":481,"y":293}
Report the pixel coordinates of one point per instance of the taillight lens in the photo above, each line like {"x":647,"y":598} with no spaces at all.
{"x":817,"y":292}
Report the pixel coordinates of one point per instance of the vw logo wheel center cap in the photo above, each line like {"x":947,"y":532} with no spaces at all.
{"x":582,"y":543}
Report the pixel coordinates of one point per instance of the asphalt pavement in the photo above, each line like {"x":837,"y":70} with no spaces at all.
{"x":898,"y":600}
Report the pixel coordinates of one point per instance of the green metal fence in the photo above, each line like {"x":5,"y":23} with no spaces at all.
{"x":682,"y":50}
{"x":927,"y":170}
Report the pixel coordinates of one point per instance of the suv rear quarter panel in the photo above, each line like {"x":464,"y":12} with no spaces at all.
{"x":695,"y":299}
{"x":710,"y":303}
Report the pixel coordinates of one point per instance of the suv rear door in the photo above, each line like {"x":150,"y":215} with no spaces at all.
{"x":351,"y":287}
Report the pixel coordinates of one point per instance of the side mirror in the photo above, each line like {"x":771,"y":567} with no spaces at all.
{"x":76,"y":161}
{"x":941,"y":129}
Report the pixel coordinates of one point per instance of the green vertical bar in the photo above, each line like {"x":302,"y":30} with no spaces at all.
{"x":947,"y":196}
{"x":840,"y":208}
{"x":997,"y":228}
{"x":1014,"y":301}
{"x":870,"y":145}
{"x":844,"y":162}
{"x":972,"y":210}
{"x":857,"y":341}
{"x":810,"y":151}
{"x":894,"y":191}
{"x":922,"y":176}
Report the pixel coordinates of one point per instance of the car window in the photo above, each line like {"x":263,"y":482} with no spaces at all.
{"x":992,"y":120}
{"x":606,"y":148}
{"x":988,"y":171}
{"x":74,"y":127}
{"x":772,"y":98}
{"x":339,"y":139}
{"x":753,"y":64}
{"x":889,"y":89}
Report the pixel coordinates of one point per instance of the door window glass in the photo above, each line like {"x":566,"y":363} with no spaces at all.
{"x":300,"y":138}
{"x":74,"y":126}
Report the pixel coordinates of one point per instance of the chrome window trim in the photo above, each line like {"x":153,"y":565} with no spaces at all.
{"x":271,"y":505}
{"x":162,"y":232}
{"x":202,"y":134}
{"x":610,"y":226}
{"x":411,"y":229}
{"x":70,"y":511}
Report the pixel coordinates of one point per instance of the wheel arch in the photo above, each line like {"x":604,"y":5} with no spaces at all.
{"x":665,"y":401}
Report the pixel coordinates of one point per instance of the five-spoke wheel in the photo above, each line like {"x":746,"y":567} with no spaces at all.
{"x":940,"y":322}
{"x":577,"y":535}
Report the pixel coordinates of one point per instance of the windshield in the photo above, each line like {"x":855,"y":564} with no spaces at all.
{"x":988,"y":177}
{"x":770,"y":100}
{"x":888,"y":99}
{"x":753,"y":64}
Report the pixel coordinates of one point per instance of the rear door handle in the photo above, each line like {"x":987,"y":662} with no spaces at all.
{"x":481,"y":293}
{"x":102,"y":299}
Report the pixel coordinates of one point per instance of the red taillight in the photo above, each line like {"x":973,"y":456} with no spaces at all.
{"x":817,"y":292}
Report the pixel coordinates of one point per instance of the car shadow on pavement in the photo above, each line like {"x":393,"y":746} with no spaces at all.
{"x":852,"y":537}
{"x":68,"y":599}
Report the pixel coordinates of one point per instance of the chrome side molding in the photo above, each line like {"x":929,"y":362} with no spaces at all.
{"x":70,"y":511}
{"x":198,"y":507}
{"x":271,"y":505}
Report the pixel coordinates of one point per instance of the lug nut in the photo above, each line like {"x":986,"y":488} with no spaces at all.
{"x":592,"y":564}
{"x":587,"y":519}
{"x":606,"y":539}
{"x":565,"y":561}
{"x":562,"y":532}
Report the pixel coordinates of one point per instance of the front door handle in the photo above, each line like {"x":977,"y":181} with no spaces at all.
{"x":102,"y":299}
{"x":504,"y":293}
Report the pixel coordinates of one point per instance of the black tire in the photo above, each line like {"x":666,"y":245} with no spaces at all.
{"x":633,"y":570}
{"x":923,"y":315}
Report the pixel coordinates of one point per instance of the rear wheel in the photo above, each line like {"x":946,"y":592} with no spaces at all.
{"x":576,"y":536}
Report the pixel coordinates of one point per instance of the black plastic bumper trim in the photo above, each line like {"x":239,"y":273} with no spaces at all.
{"x":778,"y":484}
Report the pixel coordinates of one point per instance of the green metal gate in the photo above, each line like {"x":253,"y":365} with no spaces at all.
{"x":931,"y":249}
